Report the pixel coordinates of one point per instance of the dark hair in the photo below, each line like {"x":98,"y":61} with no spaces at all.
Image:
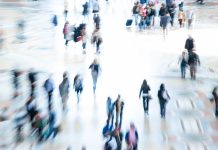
{"x":162,"y":86}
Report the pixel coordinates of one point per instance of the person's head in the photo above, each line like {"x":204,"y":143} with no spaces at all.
{"x":162,"y":86}
{"x":132,"y":125}
{"x":83,"y":148}
{"x":144,"y":82}
{"x":65,"y":75}
{"x":189,"y":36}
{"x":163,"y":5}
{"x":118,"y":97}
{"x":109,"y":99}
{"x":95,"y":61}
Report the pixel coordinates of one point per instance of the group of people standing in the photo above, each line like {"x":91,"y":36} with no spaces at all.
{"x":72,"y":32}
{"x":145,"y":13}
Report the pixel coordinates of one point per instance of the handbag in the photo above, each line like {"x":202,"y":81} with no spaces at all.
{"x":165,"y":95}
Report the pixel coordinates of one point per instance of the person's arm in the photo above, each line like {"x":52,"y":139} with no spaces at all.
{"x":140,"y":92}
{"x":167,"y":94}
{"x":199,"y":63}
{"x":90,"y":66}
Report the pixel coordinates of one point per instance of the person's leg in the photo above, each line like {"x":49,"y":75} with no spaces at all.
{"x":194,"y":71}
{"x":49,"y":100}
{"x":184,"y":72}
{"x":143,"y":98}
{"x":191,"y":71}
{"x":66,"y":43}
{"x":147,"y":105}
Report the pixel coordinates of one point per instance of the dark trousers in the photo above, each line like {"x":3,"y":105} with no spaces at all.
{"x":19,"y":133}
{"x":163,"y":109}
{"x":183,"y":71}
{"x":145,"y":104}
{"x":50,"y":100}
{"x":32,"y":91}
{"x":172,"y":16}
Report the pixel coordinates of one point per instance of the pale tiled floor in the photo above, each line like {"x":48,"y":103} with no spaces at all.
{"x":127,"y":57}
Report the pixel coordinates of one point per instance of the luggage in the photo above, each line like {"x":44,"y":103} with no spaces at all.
{"x":129,"y":22}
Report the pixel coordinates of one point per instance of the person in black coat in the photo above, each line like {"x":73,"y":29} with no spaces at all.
{"x":163,"y":97}
{"x":144,"y":91}
{"x":189,"y":44}
{"x":32,"y":76}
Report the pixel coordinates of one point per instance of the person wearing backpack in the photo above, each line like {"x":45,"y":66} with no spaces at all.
{"x":215,"y":98}
{"x":78,"y":85}
{"x":64,"y":90}
{"x":183,"y":61}
{"x":95,"y":71}
{"x":193,"y":62}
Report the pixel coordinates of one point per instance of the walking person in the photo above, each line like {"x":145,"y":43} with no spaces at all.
{"x":144,"y":91}
{"x":85,"y":9}
{"x":180,"y":4}
{"x":67,"y":32}
{"x":164,"y":23}
{"x":181,"y":18}
{"x":64,"y":90}
{"x":95,"y":71}
{"x":65,"y":9}
{"x":49,"y":88}
{"x":193,"y":61}
{"x":78,"y":86}
{"x":190,"y":17}
{"x":32,"y":76}
{"x":16,"y":73}
{"x":135,"y":11}
{"x":110,"y":110}
{"x":163,"y":97}
{"x":84,"y":39}
{"x":131,"y":138}
{"x":183,"y":61}
{"x":96,"y":39}
{"x":54,"y":20}
{"x":215,"y":99}
{"x":118,"y":105}
{"x":172,"y":12}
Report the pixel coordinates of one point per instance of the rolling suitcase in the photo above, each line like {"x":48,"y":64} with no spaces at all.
{"x":129,"y":22}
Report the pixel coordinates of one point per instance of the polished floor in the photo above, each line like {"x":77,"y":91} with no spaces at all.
{"x":127,"y":57}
